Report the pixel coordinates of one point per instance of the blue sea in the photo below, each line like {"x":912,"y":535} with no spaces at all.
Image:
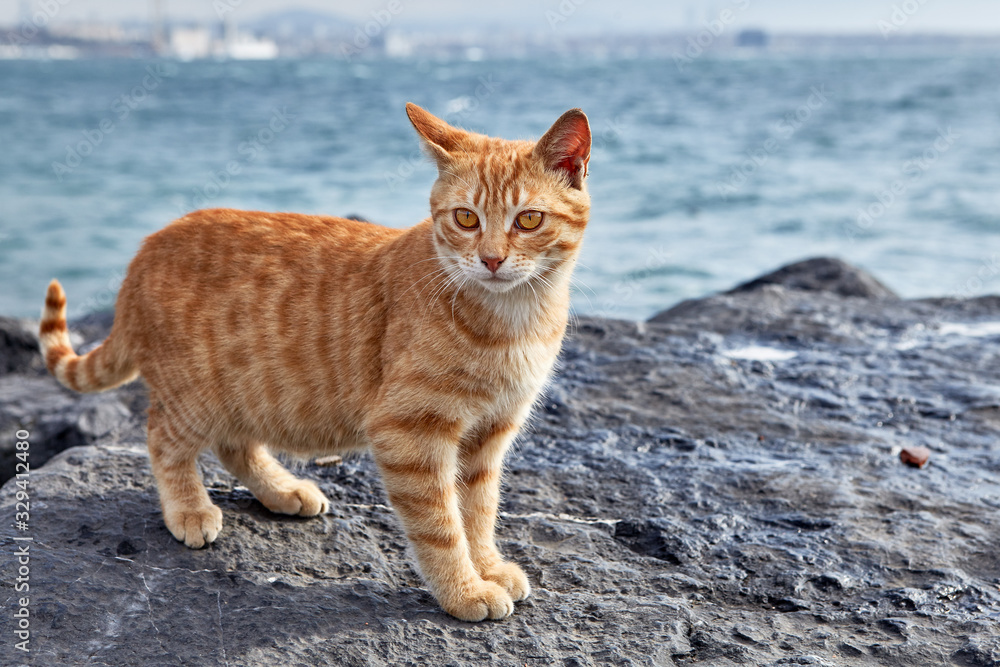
{"x":701,"y":177}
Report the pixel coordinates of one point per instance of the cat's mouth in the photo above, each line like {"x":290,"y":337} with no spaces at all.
{"x":499,"y":283}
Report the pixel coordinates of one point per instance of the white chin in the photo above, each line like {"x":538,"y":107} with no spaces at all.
{"x":498,"y":286}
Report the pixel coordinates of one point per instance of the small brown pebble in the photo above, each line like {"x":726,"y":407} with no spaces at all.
{"x":915,"y":456}
{"x":329,"y":460}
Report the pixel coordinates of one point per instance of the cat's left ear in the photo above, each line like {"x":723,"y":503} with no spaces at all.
{"x":566,"y":146}
{"x":439,"y":137}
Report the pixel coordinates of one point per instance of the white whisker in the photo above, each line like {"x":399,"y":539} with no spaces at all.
{"x":430,"y":275}
{"x":451,"y":173}
{"x":453,"y":298}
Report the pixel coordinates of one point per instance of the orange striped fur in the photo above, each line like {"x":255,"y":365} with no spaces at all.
{"x":317,"y":335}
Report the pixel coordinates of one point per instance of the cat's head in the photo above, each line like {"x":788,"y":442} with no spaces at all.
{"x":507,"y":213}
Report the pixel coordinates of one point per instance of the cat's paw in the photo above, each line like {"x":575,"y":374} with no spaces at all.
{"x":511,"y":578}
{"x":301,"y":497}
{"x":477,"y":601}
{"x":194,"y":527}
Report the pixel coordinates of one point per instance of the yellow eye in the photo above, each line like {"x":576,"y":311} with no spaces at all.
{"x":529,"y":219}
{"x":466,"y":218}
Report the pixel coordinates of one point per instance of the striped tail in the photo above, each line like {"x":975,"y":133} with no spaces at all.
{"x":102,"y":368}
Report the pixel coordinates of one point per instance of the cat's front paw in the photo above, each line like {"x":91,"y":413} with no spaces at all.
{"x":511,"y":578}
{"x":302,"y":497}
{"x":194,"y":527}
{"x":477,"y":601}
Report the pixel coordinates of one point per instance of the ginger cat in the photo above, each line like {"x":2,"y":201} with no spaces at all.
{"x":318,"y":335}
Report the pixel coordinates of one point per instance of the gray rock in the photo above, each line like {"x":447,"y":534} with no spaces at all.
{"x":58,"y":418}
{"x":718,"y":486}
{"x":823,"y":274}
{"x":94,"y":327}
{"x":19,"y":347}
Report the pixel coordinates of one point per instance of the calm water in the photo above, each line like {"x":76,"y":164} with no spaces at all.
{"x":699,"y":179}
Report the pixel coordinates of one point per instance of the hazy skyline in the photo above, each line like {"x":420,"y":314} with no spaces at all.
{"x":850,"y":16}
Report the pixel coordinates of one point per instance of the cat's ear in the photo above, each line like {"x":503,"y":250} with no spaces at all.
{"x":439,"y":137}
{"x":566,"y":147}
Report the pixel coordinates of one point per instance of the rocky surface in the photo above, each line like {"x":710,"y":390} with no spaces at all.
{"x":58,"y":419}
{"x":822,"y":274}
{"x":720,"y":485}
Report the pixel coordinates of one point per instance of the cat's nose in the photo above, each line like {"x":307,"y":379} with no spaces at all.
{"x":493,"y":263}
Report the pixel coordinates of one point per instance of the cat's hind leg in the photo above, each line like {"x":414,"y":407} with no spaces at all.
{"x":173,"y":452}
{"x":277,"y":489}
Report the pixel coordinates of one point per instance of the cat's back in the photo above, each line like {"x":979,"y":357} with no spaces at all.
{"x":232,"y":234}
{"x":233,"y":299}
{"x":218,"y":253}
{"x":242,"y":265}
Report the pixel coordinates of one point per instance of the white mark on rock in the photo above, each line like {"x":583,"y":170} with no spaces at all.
{"x":971,"y":330}
{"x":759,"y":353}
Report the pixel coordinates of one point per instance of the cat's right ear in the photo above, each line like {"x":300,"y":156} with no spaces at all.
{"x":439,"y":137}
{"x":566,"y":147}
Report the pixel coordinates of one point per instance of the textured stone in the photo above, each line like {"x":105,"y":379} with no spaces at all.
{"x":718,"y":486}
{"x":823,"y":274}
{"x":18,"y":347}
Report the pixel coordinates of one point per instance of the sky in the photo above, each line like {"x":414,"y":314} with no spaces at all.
{"x":829,"y":16}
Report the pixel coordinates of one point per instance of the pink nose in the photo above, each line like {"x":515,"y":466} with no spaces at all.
{"x":493,"y":263}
